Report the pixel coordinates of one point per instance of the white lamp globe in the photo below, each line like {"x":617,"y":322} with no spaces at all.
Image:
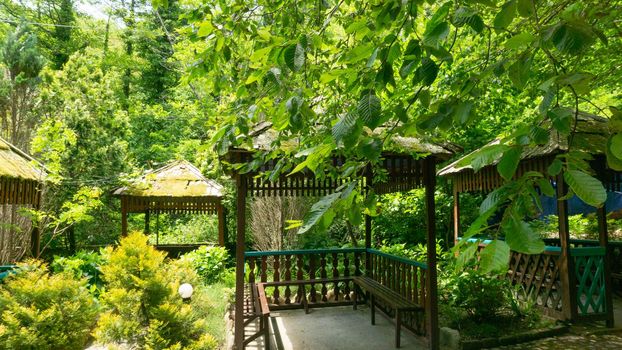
{"x":185,"y":291}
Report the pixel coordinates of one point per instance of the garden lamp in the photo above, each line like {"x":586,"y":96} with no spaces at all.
{"x":185,"y":291}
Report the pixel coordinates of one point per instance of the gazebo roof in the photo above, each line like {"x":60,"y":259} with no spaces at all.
{"x":590,"y":136}
{"x":179,"y":179}
{"x":16,"y":164}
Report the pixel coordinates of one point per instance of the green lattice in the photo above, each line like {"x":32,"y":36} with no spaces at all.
{"x":590,"y":273}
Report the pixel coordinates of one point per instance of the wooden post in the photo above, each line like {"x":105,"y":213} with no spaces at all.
{"x":239,"y":262}
{"x":456,"y":213}
{"x":147,"y":214}
{"x":566,"y":263}
{"x":35,"y":235}
{"x":603,"y":238}
{"x":431,"y":304}
{"x":123,"y":217}
{"x":368,"y":187}
{"x":221,"y":223}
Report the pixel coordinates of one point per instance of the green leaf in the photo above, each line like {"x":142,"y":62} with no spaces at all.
{"x":347,"y":130}
{"x":520,"y":41}
{"x":545,"y":187}
{"x":539,"y":135}
{"x":493,"y":200}
{"x":509,"y":162}
{"x":555,"y":167}
{"x":571,"y":37}
{"x":525,"y":8}
{"x":479,"y":224}
{"x":468,"y":16}
{"x":434,"y":37}
{"x":294,"y":56}
{"x":462,"y":112}
{"x":369,"y":109}
{"x":561,"y":119}
{"x":495,"y":257}
{"x":586,"y":187}
{"x":520,"y":237}
{"x":427,"y":72}
{"x":613,"y":162}
{"x":466,"y":255}
{"x":505,"y":17}
{"x":519,"y":71}
{"x":318,"y":210}
{"x":615,"y":145}
{"x":371,"y":149}
{"x":205,"y":29}
{"x":484,"y":156}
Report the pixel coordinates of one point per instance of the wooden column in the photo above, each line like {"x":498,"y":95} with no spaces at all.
{"x":456,"y":213}
{"x":123,"y":217}
{"x":239,"y":262}
{"x":368,"y":186}
{"x":221,"y":223}
{"x":566,"y":263}
{"x":603,"y":238}
{"x":35,"y":235}
{"x":431,"y":304}
{"x":147,"y":214}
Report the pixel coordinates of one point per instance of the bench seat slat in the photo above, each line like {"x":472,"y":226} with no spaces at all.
{"x":391,"y":297}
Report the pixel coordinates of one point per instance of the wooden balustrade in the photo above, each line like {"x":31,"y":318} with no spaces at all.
{"x":326,"y":277}
{"x":329,"y":268}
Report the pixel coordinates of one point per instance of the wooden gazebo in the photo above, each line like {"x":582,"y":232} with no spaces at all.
{"x":178,"y":187}
{"x":413,"y":166}
{"x":21,"y":180}
{"x":569,"y":281}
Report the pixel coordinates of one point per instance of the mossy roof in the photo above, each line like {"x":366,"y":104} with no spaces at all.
{"x":15,"y":163}
{"x":176,"y":180}
{"x":591,"y":136}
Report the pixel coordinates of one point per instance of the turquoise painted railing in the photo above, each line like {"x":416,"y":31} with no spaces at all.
{"x":5,"y":270}
{"x":589,"y":263}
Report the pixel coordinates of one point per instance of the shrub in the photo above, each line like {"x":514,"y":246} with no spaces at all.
{"x":479,"y":294}
{"x":143,"y":308}
{"x":43,"y":311}
{"x":209,"y":262}
{"x":82,"y":264}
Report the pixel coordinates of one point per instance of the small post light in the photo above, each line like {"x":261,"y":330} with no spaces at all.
{"x":185,"y":291}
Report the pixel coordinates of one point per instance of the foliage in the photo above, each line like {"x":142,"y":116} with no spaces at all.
{"x":141,"y":303}
{"x":417,"y":252}
{"x":43,"y":311}
{"x":83,"y":264}
{"x":210,"y":263}
{"x":479,"y":294}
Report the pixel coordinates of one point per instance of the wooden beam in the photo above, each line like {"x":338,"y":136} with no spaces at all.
{"x":603,"y":238}
{"x":431,"y":304}
{"x":239,"y":262}
{"x":147,"y":221}
{"x":566,"y":262}
{"x":368,"y":187}
{"x":221,"y":224}
{"x":35,"y":235}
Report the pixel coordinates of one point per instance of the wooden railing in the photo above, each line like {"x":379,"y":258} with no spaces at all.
{"x":317,"y":267}
{"x":306,"y":265}
{"x":404,"y":276}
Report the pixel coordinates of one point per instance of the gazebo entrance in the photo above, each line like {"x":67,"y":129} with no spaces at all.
{"x":317,"y":278}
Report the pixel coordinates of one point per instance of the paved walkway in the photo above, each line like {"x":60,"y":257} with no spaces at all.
{"x":335,"y":328}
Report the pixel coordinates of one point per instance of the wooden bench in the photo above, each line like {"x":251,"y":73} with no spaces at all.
{"x":256,"y":306}
{"x":390,"y":297}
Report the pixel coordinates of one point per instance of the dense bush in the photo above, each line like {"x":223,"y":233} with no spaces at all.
{"x":417,"y":252}
{"x":142,"y":307}
{"x":43,"y":311}
{"x":82,"y":264}
{"x":480,"y":295}
{"x":209,"y":262}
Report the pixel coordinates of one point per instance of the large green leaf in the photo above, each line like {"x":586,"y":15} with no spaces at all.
{"x":525,"y":8}
{"x":520,"y":237}
{"x":484,"y":156}
{"x":427,"y":72}
{"x":434,"y":37}
{"x":519,"y":41}
{"x":465,"y":15}
{"x":586,"y":187}
{"x":613,"y":161}
{"x":495,"y":257}
{"x":347,"y":130}
{"x":318,"y":210}
{"x":571,"y":37}
{"x":505,"y":17}
{"x":509,"y":162}
{"x":294,"y":56}
{"x":369,"y":109}
{"x":519,"y":71}
{"x":615,"y":145}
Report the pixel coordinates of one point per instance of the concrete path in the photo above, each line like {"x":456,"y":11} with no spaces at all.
{"x":335,"y":328}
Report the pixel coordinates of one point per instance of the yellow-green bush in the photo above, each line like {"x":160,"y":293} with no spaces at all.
{"x":43,"y":311}
{"x":142,"y":307}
